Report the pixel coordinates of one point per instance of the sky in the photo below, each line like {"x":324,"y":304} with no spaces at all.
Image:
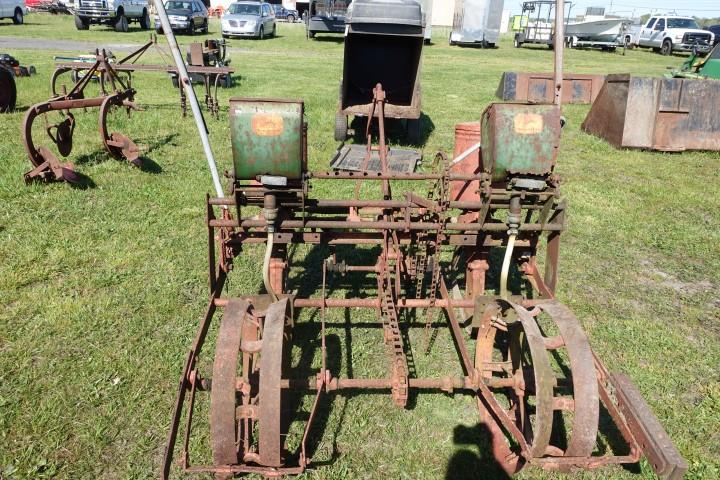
{"x":635,"y":8}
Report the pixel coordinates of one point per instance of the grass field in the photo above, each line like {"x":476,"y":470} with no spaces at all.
{"x":101,"y":288}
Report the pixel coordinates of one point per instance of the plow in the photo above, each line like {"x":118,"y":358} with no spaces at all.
{"x":117,"y":93}
{"x":475,"y":241}
{"x":509,"y":344}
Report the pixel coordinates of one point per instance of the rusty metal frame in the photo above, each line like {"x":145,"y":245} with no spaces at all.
{"x":395,"y":225}
{"x":211,"y":75}
{"x":46,"y":166}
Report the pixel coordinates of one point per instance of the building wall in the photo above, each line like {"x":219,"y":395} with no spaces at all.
{"x":442,"y":13}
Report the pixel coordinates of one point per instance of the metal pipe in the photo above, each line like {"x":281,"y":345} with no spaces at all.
{"x":465,"y":154}
{"x":184,"y":82}
{"x":559,"y":41}
{"x":506,"y":267}
{"x":381,"y":225}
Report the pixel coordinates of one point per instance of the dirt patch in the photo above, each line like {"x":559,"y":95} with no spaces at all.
{"x":664,"y":279}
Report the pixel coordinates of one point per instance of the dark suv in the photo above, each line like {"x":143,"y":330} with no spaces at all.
{"x":285,"y":14}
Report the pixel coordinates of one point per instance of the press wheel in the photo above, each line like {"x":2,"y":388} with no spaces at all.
{"x":223,"y":425}
{"x":526,"y":358}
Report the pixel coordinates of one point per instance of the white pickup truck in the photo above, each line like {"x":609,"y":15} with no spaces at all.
{"x":116,"y":13}
{"x":667,"y":34}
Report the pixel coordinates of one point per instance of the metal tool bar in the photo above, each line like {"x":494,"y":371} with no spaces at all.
{"x":186,"y":84}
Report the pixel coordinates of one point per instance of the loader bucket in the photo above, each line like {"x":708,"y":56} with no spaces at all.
{"x":665,"y":114}
{"x":538,"y":87}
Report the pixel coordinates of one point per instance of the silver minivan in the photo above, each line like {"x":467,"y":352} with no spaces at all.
{"x":248,"y":19}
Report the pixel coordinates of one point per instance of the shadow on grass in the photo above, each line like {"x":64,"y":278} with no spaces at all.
{"x":81,"y":181}
{"x":396,"y":130}
{"x":465,"y":463}
{"x":329,"y":38}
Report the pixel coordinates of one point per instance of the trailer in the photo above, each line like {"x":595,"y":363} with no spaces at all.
{"x":536,"y":24}
{"x":427,"y":7}
{"x":476,"y":22}
{"x":325,"y":16}
{"x":383,"y":44}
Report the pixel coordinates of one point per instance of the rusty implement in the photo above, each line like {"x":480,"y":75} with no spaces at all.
{"x":212,"y":74}
{"x":522,"y":355}
{"x":665,"y":114}
{"x":46,"y":165}
{"x":539,"y":87}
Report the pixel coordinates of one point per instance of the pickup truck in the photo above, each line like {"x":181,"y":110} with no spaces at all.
{"x":668,"y":34}
{"x":116,"y":13}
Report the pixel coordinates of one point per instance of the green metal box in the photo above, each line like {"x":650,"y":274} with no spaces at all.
{"x":519,"y":139}
{"x":267,"y":138}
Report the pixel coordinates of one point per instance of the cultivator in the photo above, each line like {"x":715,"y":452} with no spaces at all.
{"x":210,"y":69}
{"x":524,"y":357}
{"x":116,"y":94}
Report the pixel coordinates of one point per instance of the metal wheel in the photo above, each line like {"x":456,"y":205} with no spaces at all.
{"x":53,"y":79}
{"x":223,"y":426}
{"x":512,"y":344}
{"x":248,"y":430}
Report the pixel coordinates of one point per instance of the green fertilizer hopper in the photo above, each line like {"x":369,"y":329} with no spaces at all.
{"x":267,"y":138}
{"x":519,"y":140}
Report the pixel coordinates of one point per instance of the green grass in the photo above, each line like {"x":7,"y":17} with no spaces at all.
{"x":102,"y":288}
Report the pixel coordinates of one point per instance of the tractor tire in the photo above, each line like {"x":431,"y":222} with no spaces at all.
{"x":121,"y":23}
{"x":8,"y":94}
{"x":81,"y":23}
{"x":145,"y":20}
{"x":341,"y":127}
{"x":666,"y":48}
{"x":18,"y":18}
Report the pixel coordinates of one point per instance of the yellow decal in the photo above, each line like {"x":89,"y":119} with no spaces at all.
{"x":528,"y":123}
{"x":267,"y":124}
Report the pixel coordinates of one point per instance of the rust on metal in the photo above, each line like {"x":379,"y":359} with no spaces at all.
{"x":117,"y":95}
{"x":541,"y":394}
{"x":539,"y":87}
{"x":665,"y":114}
{"x":222,"y":395}
{"x":270,"y":442}
{"x":212,"y":76}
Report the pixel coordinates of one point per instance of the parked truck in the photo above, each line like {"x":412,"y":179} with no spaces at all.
{"x":115,"y":13}
{"x":668,"y":34}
